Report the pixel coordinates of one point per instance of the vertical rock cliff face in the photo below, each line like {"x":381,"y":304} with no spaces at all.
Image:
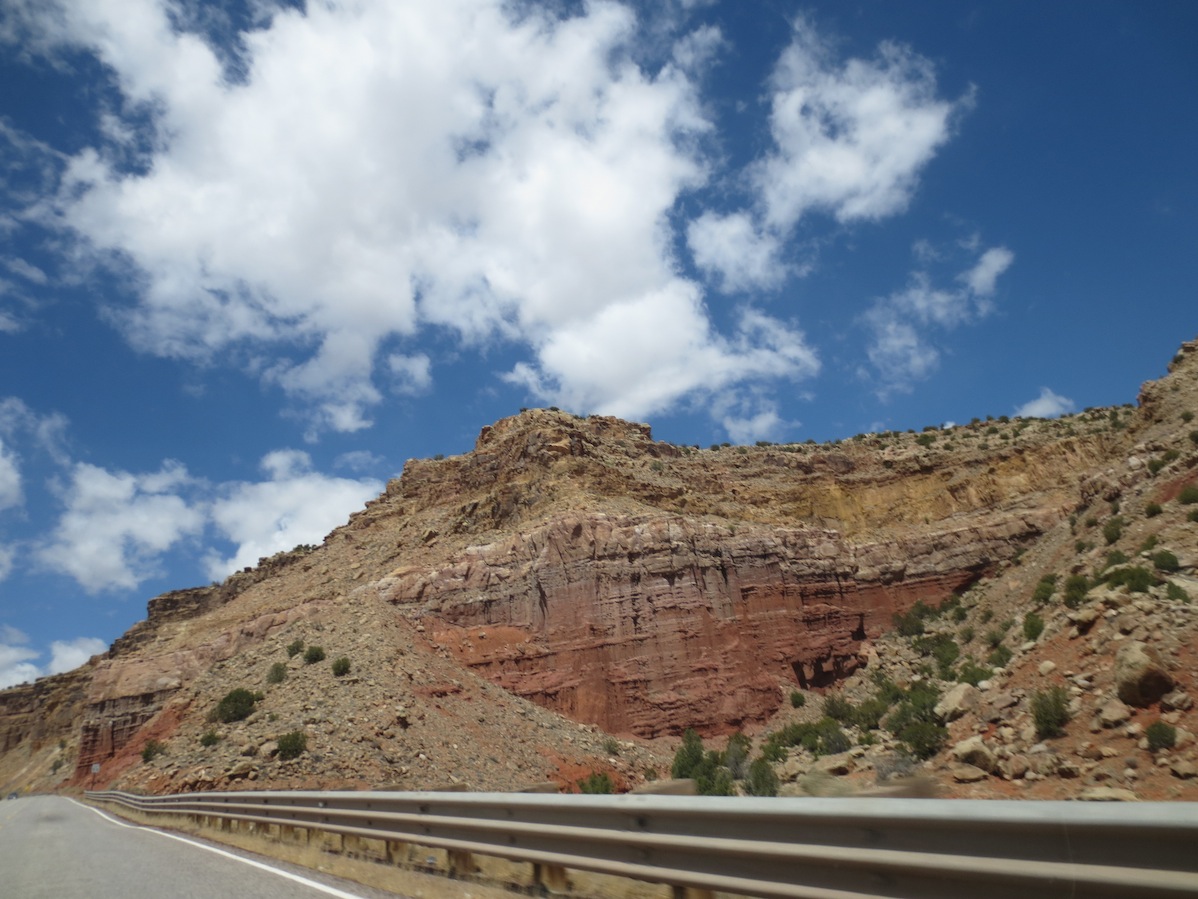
{"x":652,"y":626}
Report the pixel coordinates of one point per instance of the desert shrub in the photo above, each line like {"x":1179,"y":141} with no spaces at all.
{"x":1149,"y":543}
{"x":597,"y":782}
{"x":824,"y":737}
{"x":277,"y":673}
{"x":1188,"y":495}
{"x":1152,"y":510}
{"x":1033,"y":626}
{"x":1193,"y":516}
{"x":1165,"y":561}
{"x":1193,"y":436}
{"x":689,"y":755}
{"x":914,"y":722}
{"x":959,"y":614}
{"x":1155,"y":465}
{"x":1136,"y":578}
{"x":313,"y":654}
{"x":152,"y":750}
{"x":235,"y":706}
{"x":1176,"y":593}
{"x":1115,"y":557}
{"x":736,"y":754}
{"x":942,"y":648}
{"x":293,"y":744}
{"x":761,"y":780}
{"x":1171,"y":455}
{"x":1112,"y":530}
{"x":341,"y":667}
{"x":925,"y":439}
{"x":994,"y":637}
{"x":910,"y":624}
{"x":967,"y":634}
{"x":611,"y":746}
{"x":1044,"y":589}
{"x":870,"y":713}
{"x":970,"y":672}
{"x":999,"y":656}
{"x":1050,"y":711}
{"x":797,"y":699}
{"x":295,"y":647}
{"x":1187,"y":416}
{"x":838,"y":708}
{"x":210,"y":738}
{"x":1160,"y":736}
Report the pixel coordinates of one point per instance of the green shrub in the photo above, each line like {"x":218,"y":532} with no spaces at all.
{"x":341,"y":667}
{"x":689,"y":755}
{"x":915,"y":723}
{"x":1188,"y":495}
{"x":970,"y":672}
{"x":1160,"y":736}
{"x":838,"y":708}
{"x":761,"y":780}
{"x":598,"y":782}
{"x":277,"y":673}
{"x":313,"y":654}
{"x":1050,"y":711}
{"x":210,"y":738}
{"x":235,"y":706}
{"x":1165,"y":561}
{"x":994,"y":637}
{"x":1112,"y":530}
{"x":1152,"y":510}
{"x":999,"y":656}
{"x":1187,"y":416}
{"x":797,"y":699}
{"x":736,"y":754}
{"x":967,"y":634}
{"x":1033,"y":626}
{"x":1176,"y":593}
{"x":1193,"y":516}
{"x":295,"y":647}
{"x":1155,"y":465}
{"x":1136,"y":578}
{"x":1116,"y":558}
{"x":1193,"y":436}
{"x":942,"y":648}
{"x":1044,"y":589}
{"x":1149,"y":543}
{"x":152,"y":750}
{"x":293,"y":744}
{"x":870,"y":713}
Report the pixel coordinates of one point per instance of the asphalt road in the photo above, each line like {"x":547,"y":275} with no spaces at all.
{"x":56,"y":848}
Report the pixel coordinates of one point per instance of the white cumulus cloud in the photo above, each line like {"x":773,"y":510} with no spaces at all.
{"x":850,"y":139}
{"x":116,"y":525}
{"x":294,"y":505}
{"x":10,"y":478}
{"x":377,"y":168}
{"x":1047,"y":405}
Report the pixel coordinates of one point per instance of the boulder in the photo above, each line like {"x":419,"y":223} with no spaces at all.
{"x":967,"y":774}
{"x":1113,"y":714}
{"x":956,"y":702}
{"x":1140,"y":675}
{"x":1107,"y":794}
{"x":975,"y":752}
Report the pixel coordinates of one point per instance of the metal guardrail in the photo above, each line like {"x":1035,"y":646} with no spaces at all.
{"x":811,"y":848}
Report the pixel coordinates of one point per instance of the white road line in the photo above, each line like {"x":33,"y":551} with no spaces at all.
{"x":324,"y":888}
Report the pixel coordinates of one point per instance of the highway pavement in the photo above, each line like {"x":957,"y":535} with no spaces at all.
{"x":52,"y":847}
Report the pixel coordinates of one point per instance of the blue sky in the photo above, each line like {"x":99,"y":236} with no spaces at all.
{"x":254,"y":256}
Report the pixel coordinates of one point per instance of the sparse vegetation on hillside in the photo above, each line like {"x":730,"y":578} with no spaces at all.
{"x":237,"y":705}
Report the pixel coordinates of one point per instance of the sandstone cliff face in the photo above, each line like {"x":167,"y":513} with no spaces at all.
{"x":652,"y":626}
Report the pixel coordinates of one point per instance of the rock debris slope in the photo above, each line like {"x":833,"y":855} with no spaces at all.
{"x":504,"y":610}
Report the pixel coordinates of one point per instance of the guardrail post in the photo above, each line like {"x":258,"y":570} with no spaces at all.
{"x":397,"y":853}
{"x":552,"y":878}
{"x":461,"y":864}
